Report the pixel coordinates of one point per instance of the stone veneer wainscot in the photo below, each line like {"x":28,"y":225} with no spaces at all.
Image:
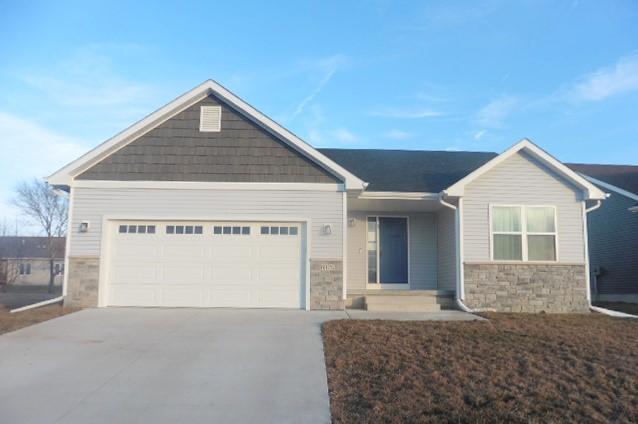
{"x":83,"y":282}
{"x":504,"y":287}
{"x":326,"y":284}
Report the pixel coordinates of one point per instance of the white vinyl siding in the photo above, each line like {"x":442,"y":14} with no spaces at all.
{"x":521,"y":180}
{"x":321,"y":207}
{"x":446,"y":241}
{"x":422,"y":250}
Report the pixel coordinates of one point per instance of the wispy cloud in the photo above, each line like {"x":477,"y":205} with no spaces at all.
{"x":343,"y":135}
{"x":478,"y":134}
{"x":400,"y":113}
{"x":327,"y":67}
{"x":397,"y":135}
{"x":30,"y":151}
{"x":493,"y":114}
{"x":622,"y":77}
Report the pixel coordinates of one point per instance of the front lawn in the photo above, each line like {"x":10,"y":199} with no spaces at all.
{"x":512,"y":368}
{"x":11,"y":322}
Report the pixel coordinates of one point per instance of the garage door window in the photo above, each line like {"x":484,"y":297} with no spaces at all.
{"x":183,"y":229}
{"x":136,"y":229}
{"x":282,"y":231}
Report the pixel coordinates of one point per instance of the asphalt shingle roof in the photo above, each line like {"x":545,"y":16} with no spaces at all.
{"x":408,"y":170}
{"x":29,"y":247}
{"x":621,"y":176}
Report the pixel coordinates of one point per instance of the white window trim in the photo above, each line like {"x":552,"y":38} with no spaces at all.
{"x":523,"y":233}
{"x":378,"y":285}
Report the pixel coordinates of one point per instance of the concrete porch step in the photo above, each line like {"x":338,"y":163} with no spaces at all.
{"x":407,"y":303}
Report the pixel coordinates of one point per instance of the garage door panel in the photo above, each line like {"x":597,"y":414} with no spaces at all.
{"x":207,"y":269}
{"x":123,"y":295}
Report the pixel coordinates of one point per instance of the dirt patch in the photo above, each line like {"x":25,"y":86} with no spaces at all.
{"x":513,"y":368}
{"x":11,"y":322}
{"x":628,"y":308}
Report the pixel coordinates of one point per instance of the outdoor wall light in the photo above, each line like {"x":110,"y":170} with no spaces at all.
{"x":84,"y":226}
{"x":327,"y":229}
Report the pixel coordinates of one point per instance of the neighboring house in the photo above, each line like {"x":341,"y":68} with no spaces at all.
{"x":613,"y":232}
{"x":207,"y":202}
{"x":25,"y":261}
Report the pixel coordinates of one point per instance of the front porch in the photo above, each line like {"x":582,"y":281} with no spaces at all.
{"x":401,"y":253}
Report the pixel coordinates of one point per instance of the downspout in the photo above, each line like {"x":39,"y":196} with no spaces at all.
{"x":459,"y":295}
{"x":598,"y":309}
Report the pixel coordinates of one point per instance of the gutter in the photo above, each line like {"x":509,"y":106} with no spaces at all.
{"x":37,"y":305}
{"x":460,"y":289}
{"x":598,"y":309}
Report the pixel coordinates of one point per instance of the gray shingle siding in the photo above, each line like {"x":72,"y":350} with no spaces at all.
{"x":613,"y":245}
{"x":177,"y":151}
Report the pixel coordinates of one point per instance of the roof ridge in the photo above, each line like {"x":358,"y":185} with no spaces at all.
{"x":408,"y":150}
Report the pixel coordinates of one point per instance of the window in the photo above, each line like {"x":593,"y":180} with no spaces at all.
{"x":25,"y":269}
{"x":523,"y":233}
{"x":170,"y":229}
{"x":59,"y":269}
{"x":227,"y":230}
{"x":179,"y":229}
{"x":265,"y":230}
{"x":245,"y":230}
{"x":293,"y":231}
{"x":283,"y":231}
{"x":199,"y":229}
{"x":236,"y":230}
{"x":188,"y":229}
{"x":372,"y":249}
{"x":274,"y":230}
{"x":217,"y":230}
{"x":137,"y":229}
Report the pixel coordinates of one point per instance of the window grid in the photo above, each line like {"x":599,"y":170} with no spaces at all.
{"x":523,"y":232}
{"x":136,"y":229}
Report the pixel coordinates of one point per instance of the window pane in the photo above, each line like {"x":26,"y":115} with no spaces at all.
{"x":188,"y":229}
{"x":540,"y":220}
{"x":372,"y":250}
{"x":141,"y":229}
{"x":541,"y":248}
{"x":265,"y":230}
{"x":274,"y":230}
{"x":506,"y":218}
{"x":217,"y":230}
{"x":199,"y":229}
{"x":283,"y":231}
{"x":236,"y":230}
{"x":132,"y":228}
{"x":170,"y":229}
{"x":508,"y":247}
{"x":245,"y":230}
{"x":227,"y":230}
{"x":293,"y":231}
{"x":179,"y":229}
{"x":122,"y":228}
{"x":150,"y":229}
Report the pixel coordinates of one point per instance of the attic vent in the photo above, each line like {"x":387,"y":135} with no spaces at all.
{"x":210,"y":118}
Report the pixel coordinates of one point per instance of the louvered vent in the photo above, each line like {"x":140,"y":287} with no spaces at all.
{"x":210,"y":118}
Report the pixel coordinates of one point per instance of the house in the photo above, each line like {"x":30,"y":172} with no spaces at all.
{"x":613,"y":232}
{"x":207,"y":202}
{"x":24,"y":261}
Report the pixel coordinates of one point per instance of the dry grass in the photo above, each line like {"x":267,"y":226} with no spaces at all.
{"x":11,"y":322}
{"x":514,"y":368}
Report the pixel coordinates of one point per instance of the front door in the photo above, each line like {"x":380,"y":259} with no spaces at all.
{"x":387,"y":250}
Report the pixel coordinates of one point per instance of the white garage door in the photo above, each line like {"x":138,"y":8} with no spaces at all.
{"x":205,"y":264}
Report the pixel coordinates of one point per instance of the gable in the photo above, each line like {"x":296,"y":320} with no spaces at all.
{"x":177,"y":150}
{"x":522,"y":178}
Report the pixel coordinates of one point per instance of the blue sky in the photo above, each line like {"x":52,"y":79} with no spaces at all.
{"x":432,"y":75}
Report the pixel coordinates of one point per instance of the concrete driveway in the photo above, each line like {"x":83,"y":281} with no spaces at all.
{"x":167,"y":365}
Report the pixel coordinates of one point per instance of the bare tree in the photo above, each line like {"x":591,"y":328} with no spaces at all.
{"x":48,"y":210}
{"x":9,"y":266}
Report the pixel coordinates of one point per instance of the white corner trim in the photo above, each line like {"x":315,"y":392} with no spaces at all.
{"x":591,"y":191}
{"x":611,"y":187}
{"x":398,"y":195}
{"x":65,"y":175}
{"x":199,"y":185}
